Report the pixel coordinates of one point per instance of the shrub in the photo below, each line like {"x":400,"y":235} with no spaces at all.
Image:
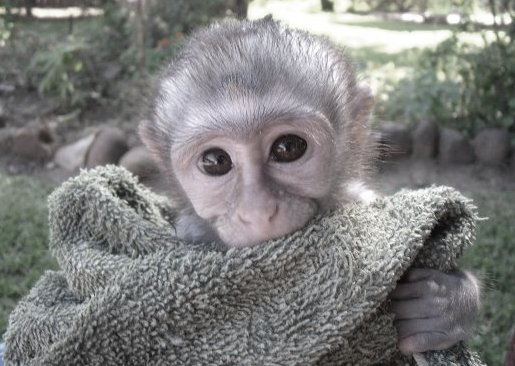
{"x":168,"y":18}
{"x":458,"y":85}
{"x":75,"y":69}
{"x":60,"y":71}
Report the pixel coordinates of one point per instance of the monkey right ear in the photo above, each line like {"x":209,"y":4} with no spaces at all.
{"x":150,"y":138}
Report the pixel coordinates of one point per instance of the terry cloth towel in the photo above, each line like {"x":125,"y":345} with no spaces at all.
{"x":131,"y":293}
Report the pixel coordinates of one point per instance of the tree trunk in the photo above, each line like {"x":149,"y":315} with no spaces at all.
{"x":327,"y":5}
{"x":241,"y":8}
{"x":28,"y":8}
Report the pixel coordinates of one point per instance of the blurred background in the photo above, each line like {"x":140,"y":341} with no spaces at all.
{"x":76,"y":78}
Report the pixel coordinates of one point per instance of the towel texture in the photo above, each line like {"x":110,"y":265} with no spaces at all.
{"x":131,"y":293}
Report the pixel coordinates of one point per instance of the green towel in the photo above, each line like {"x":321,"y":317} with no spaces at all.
{"x":131,"y":293}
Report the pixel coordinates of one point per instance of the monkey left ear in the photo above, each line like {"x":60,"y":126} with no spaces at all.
{"x":150,"y":138}
{"x":146,"y":132}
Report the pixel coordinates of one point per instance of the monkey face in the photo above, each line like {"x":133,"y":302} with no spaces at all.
{"x":258,"y":129}
{"x":261,"y":187}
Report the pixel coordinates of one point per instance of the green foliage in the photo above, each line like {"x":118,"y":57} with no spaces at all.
{"x":165,"y":25}
{"x":170,"y":18}
{"x":23,"y":239}
{"x":489,"y":84}
{"x":159,"y":56}
{"x":112,"y":39}
{"x":60,"y":71}
{"x":125,"y":41}
{"x":457,"y":84}
{"x":5,"y":31}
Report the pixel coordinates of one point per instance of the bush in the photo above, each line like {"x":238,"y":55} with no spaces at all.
{"x":458,"y":85}
{"x":75,"y":69}
{"x":112,"y":39}
{"x":165,"y":22}
{"x":60,"y":71}
{"x":169,"y":18}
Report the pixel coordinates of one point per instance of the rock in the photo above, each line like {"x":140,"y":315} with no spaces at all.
{"x":107,"y":148}
{"x":492,"y":146}
{"x":139,"y":162}
{"x":7,"y":135}
{"x":395,"y":140}
{"x":425,"y":140}
{"x":34,"y":143}
{"x":6,"y":88}
{"x":454,"y":148}
{"x":72,"y":156}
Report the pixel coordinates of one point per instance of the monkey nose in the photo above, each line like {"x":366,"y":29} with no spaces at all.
{"x":260,"y":216}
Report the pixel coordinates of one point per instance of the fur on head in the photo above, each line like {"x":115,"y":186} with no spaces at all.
{"x":237,"y":75}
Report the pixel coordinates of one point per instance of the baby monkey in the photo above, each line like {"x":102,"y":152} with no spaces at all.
{"x":259,"y":128}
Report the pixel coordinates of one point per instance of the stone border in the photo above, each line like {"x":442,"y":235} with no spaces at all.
{"x":491,"y":146}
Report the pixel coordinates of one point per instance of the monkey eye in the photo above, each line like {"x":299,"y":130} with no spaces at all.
{"x":215,"y":162}
{"x":288,"y":148}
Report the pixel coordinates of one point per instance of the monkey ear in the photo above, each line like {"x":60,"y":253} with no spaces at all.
{"x":359,"y":140}
{"x":150,"y":138}
{"x":146,"y":132}
{"x":363,"y":103}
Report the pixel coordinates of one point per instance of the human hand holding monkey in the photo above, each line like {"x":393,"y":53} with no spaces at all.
{"x":258,"y":129}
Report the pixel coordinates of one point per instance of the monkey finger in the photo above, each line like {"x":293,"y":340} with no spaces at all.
{"x":419,"y":274}
{"x":426,"y":341}
{"x":410,"y":327}
{"x":413,"y":309}
{"x":405,"y":291}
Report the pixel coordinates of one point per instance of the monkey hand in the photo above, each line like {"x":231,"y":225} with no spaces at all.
{"x":434,"y":310}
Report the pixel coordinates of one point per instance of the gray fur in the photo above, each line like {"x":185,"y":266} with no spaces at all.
{"x":236,"y":75}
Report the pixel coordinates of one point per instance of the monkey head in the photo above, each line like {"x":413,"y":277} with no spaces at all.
{"x":258,"y":129}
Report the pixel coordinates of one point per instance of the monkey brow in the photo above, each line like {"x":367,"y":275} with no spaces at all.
{"x":189,"y":143}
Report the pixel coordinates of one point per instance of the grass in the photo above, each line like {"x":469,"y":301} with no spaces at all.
{"x":493,"y":258}
{"x":23,"y":239}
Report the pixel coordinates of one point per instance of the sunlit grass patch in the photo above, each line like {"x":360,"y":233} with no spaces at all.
{"x":351,"y":30}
